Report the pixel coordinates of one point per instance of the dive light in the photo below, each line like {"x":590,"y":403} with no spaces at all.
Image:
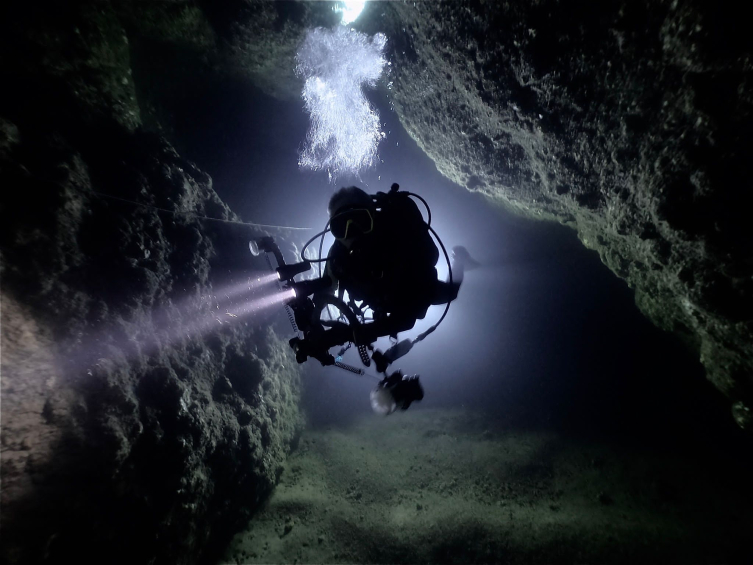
{"x":264,"y":244}
{"x":288,"y":272}
{"x":302,"y":289}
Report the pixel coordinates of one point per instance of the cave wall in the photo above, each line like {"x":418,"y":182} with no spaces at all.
{"x":629,"y":121}
{"x":126,"y":437}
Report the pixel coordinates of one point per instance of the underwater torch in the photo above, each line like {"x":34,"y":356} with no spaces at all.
{"x":288,"y":272}
{"x":302,"y":289}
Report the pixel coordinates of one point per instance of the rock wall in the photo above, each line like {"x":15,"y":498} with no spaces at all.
{"x":630,"y":121}
{"x":127,"y":436}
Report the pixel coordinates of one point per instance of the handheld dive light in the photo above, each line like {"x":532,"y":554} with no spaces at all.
{"x":302,"y":289}
{"x":288,"y":272}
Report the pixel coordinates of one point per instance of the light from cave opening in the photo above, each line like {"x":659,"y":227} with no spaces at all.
{"x":345,"y":131}
{"x":350,"y":10}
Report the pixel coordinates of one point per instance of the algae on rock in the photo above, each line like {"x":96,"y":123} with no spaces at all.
{"x":631,"y":122}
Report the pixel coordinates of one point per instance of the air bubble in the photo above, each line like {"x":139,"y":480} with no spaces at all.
{"x":345,"y":129}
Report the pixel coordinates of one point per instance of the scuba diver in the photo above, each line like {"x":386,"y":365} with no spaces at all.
{"x":385,"y":259}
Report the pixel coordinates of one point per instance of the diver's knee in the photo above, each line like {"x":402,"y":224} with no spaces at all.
{"x":445,"y":292}
{"x":407,"y":324}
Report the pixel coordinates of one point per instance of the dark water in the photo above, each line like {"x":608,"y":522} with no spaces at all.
{"x":543,"y":336}
{"x":543,"y":341}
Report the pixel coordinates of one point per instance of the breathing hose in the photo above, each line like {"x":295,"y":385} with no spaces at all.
{"x":363,"y":353}
{"x":351,"y":368}
{"x":404,"y":346}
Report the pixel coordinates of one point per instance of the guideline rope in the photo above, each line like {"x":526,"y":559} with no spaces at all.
{"x":174,"y":213}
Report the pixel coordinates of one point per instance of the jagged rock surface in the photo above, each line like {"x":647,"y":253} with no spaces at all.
{"x":126,"y":437}
{"x":629,"y":121}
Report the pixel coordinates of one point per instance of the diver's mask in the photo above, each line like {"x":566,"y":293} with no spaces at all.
{"x":351,"y":223}
{"x":396,"y":391}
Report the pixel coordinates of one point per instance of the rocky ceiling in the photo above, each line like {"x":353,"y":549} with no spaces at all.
{"x":630,"y":121}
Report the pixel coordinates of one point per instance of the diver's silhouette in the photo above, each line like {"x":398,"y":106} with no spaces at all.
{"x":385,"y":259}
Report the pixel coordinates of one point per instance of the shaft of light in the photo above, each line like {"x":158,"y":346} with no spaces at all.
{"x":190,"y":320}
{"x":350,"y":10}
{"x":250,"y":285}
{"x":258,"y":305}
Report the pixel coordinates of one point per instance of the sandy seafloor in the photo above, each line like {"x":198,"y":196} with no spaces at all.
{"x":446,"y":486}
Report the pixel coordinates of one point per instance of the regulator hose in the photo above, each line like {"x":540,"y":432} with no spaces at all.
{"x":350,"y":368}
{"x":363,"y":352}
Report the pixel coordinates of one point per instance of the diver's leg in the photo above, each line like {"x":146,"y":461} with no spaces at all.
{"x":445,"y":292}
{"x":461,"y":260}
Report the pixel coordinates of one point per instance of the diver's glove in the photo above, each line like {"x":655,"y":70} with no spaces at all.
{"x":383,"y":360}
{"x":316,"y":344}
{"x":305,"y":348}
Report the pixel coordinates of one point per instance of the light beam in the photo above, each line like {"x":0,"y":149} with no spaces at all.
{"x":257,"y":305}
{"x":350,"y":10}
{"x":252,"y":284}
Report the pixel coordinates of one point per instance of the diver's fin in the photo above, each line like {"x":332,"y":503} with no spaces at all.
{"x":460,"y":254}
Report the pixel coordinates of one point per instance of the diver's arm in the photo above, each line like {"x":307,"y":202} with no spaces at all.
{"x":364,"y":334}
{"x":330,"y":273}
{"x":392,"y":325}
{"x":320,"y":287}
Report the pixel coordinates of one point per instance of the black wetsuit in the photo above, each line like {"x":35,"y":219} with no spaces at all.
{"x":392,"y":269}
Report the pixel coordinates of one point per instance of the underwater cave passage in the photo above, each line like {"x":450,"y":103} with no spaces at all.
{"x":166,"y":394}
{"x":551,"y":406}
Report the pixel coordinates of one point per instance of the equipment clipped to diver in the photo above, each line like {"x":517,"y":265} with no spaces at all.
{"x":383,"y":360}
{"x":303,"y":312}
{"x":393,"y":391}
{"x":396,"y":391}
{"x":308,"y":299}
